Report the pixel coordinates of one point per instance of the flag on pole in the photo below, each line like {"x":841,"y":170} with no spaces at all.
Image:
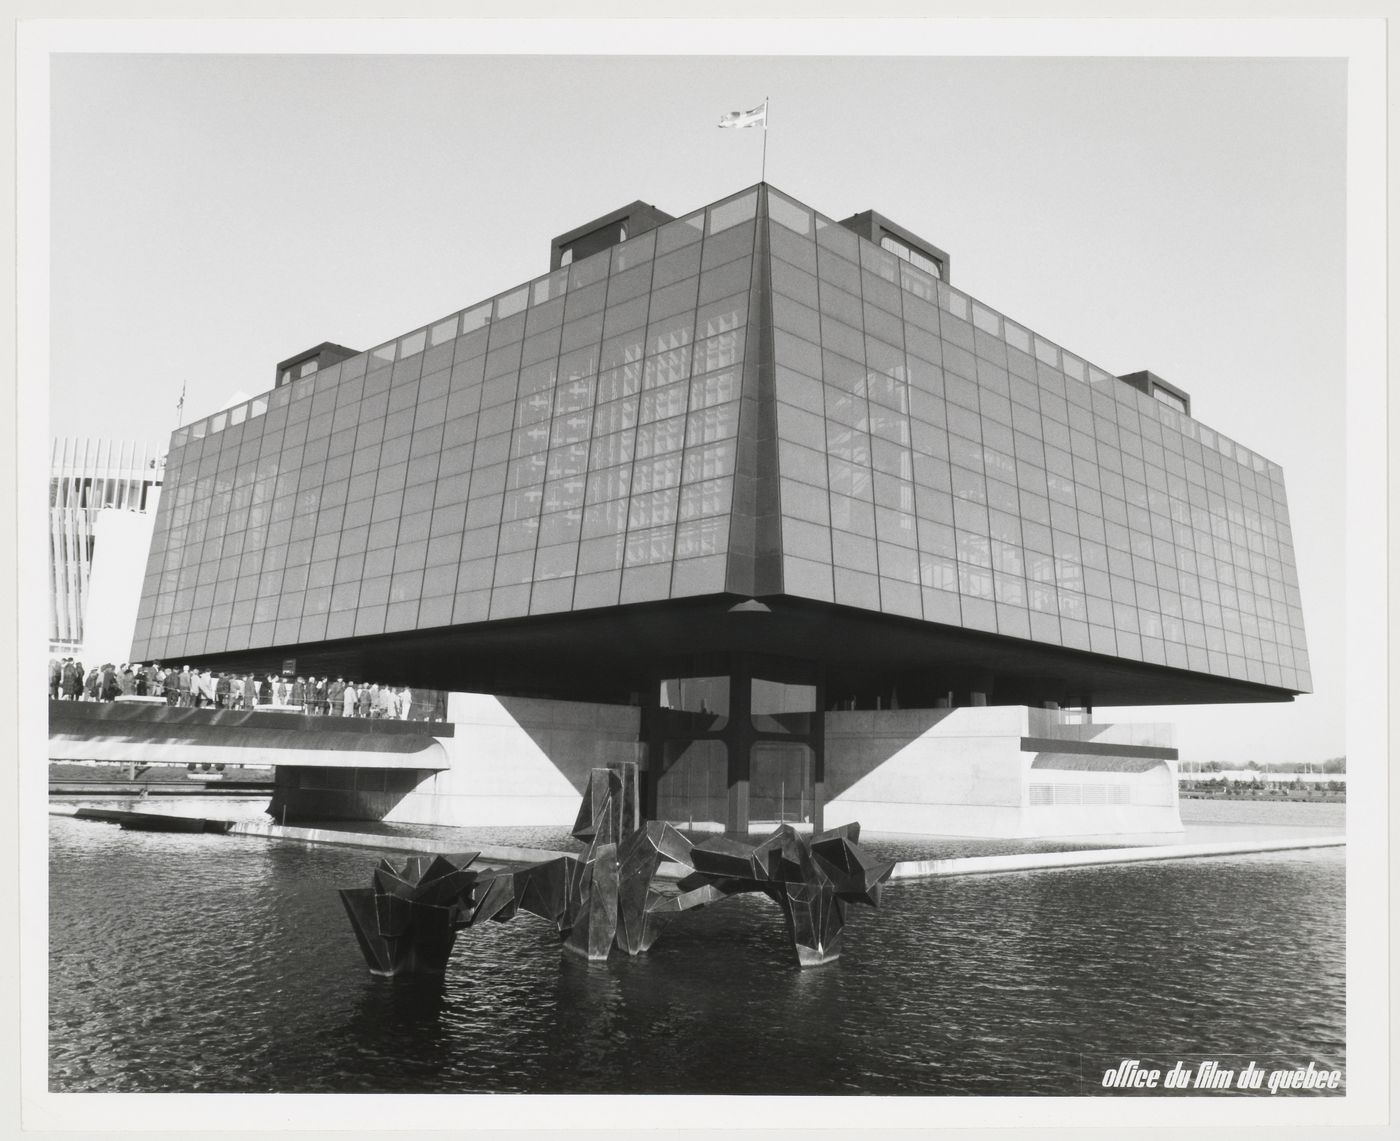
{"x":758,"y":117}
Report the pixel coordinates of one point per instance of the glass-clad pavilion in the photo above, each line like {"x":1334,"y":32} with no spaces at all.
{"x":746,"y":443}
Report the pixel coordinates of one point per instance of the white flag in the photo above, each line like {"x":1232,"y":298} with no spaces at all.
{"x":758,"y":117}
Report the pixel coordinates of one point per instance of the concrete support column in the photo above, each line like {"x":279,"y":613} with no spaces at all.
{"x":817,"y":741}
{"x":654,"y":740}
{"x":738,"y":739}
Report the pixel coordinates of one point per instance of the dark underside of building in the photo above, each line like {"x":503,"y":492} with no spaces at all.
{"x":861,"y":660}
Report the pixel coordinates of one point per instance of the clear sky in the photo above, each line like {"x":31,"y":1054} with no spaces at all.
{"x":212,"y":215}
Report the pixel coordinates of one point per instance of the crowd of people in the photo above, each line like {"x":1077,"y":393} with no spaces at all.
{"x":188,"y":688}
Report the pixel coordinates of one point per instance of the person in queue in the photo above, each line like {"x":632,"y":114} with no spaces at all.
{"x":72,"y":680}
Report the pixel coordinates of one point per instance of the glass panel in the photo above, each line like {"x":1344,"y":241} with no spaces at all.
{"x":633,"y":253}
{"x":552,"y":286}
{"x":731,"y":213}
{"x":953,"y":301}
{"x":682,"y":232}
{"x":832,"y":236}
{"x":705,"y":698}
{"x":443,"y":331}
{"x":1017,"y":337}
{"x":413,"y":343}
{"x":694,"y":783}
{"x":591,"y":269}
{"x":879,"y":261}
{"x":512,"y":303}
{"x":781,"y":783}
{"x":920,"y":284}
{"x":782,"y":707}
{"x":788,"y":213}
{"x":476,"y":318}
{"x":986,"y":320}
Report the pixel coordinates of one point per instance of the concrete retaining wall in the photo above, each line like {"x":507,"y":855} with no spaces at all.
{"x":520,"y":761}
{"x":1005,"y":771}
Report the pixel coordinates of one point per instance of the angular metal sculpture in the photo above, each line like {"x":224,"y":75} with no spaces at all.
{"x":407,"y":921}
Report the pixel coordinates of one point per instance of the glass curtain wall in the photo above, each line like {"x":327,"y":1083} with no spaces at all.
{"x":939,"y":461}
{"x":569,"y":444}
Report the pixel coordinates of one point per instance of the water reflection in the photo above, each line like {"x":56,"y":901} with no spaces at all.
{"x":408,"y":1022}
{"x":202,"y":963}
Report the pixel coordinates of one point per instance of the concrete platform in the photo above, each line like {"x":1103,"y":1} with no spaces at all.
{"x":1199,"y":841}
{"x":984,"y":865}
{"x":415,"y":844}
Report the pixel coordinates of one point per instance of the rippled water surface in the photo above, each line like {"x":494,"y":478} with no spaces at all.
{"x":223,"y":964}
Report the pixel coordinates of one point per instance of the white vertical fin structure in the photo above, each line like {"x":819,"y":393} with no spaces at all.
{"x":86,"y":476}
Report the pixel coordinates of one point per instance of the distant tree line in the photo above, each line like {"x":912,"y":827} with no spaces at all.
{"x":1331,"y":765}
{"x":1249,"y":788}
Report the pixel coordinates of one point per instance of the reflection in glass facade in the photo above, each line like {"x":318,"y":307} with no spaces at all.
{"x":573,"y":444}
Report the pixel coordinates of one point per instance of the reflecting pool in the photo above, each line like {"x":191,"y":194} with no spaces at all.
{"x":223,"y":964}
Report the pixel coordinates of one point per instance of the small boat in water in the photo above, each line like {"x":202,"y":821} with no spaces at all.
{"x":153,"y":821}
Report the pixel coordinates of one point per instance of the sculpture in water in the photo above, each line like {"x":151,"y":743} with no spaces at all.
{"x":407,"y":921}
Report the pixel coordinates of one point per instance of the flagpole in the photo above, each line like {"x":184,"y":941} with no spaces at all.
{"x":763,"y":171}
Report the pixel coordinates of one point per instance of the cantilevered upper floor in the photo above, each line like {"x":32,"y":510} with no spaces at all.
{"x":555,"y":488}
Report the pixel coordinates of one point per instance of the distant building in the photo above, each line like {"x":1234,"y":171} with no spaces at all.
{"x":102,"y":501}
{"x":771,"y":481}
